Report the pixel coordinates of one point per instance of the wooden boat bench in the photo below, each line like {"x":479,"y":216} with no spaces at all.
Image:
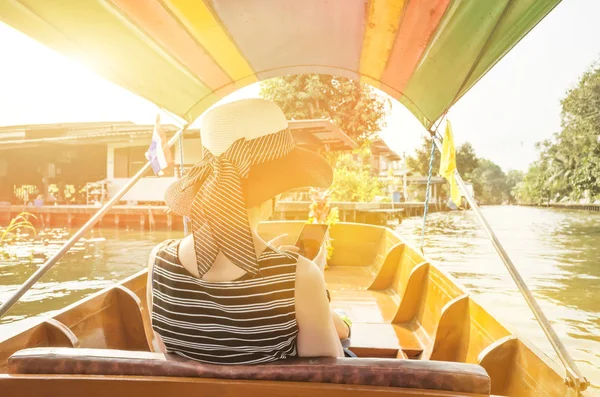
{"x":411,"y":374}
{"x":413,"y":310}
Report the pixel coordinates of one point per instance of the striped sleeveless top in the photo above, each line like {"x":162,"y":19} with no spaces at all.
{"x":250,"y":320}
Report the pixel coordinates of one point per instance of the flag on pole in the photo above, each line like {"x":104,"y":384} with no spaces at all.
{"x":448,"y":164}
{"x":158,"y":153}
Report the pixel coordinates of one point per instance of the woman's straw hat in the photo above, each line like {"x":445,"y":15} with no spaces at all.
{"x":255,"y":121}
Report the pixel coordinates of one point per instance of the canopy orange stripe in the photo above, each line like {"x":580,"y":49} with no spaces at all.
{"x":420,"y":22}
{"x":157,"y":22}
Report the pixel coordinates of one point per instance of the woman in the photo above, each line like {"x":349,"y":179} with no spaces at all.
{"x":223,"y":295}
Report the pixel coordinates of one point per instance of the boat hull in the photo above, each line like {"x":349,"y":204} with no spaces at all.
{"x":401,"y":305}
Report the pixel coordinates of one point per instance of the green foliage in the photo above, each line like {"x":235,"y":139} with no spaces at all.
{"x":419,"y":162}
{"x":466,"y":159}
{"x":533,"y":188}
{"x":490,"y":184}
{"x":569,"y":164}
{"x":352,"y":180}
{"x":513,"y":179}
{"x":352,"y":106}
{"x":355,"y":108}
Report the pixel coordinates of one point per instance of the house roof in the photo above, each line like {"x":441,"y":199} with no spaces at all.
{"x":319,"y":133}
{"x":312,"y":134}
{"x":379,"y":147}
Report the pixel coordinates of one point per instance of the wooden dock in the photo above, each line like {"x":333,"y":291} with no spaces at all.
{"x":126,"y":216}
{"x":155,"y":216}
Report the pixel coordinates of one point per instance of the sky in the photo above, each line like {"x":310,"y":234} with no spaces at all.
{"x":514,"y":106}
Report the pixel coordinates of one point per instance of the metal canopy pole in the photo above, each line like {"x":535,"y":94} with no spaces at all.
{"x":574,"y":377}
{"x":88,"y":225}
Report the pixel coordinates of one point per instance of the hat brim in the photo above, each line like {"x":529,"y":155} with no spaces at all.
{"x":301,"y":168}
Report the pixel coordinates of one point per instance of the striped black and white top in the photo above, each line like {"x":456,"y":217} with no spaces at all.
{"x":251,"y":320}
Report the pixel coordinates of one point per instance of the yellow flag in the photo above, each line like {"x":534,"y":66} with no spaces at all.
{"x":448,"y":164}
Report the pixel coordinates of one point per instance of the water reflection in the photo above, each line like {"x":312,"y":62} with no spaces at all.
{"x":109,"y":256}
{"x":557,"y":253}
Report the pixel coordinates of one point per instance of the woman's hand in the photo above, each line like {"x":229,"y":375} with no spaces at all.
{"x":320,"y":259}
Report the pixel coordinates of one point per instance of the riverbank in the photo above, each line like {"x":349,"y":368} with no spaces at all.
{"x":570,"y":206}
{"x":157,"y":217}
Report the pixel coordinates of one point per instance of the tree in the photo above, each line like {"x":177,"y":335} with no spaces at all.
{"x":489,"y":182}
{"x":355,"y":108}
{"x":533,"y":189}
{"x":466,"y":160}
{"x":568,"y":167}
{"x":513,"y":179}
{"x":352,"y":106}
{"x":419,"y":162}
{"x":352,"y":180}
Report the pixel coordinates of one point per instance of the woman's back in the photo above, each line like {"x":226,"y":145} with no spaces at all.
{"x":277,"y":306}
{"x":247,"y":321}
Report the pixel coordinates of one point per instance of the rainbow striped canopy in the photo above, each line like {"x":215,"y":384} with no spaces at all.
{"x":184,"y":55}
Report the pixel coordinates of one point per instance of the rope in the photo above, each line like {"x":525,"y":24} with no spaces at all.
{"x":427,"y":193}
{"x":185,"y":220}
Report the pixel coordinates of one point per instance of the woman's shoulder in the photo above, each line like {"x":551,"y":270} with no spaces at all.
{"x":165,"y":247}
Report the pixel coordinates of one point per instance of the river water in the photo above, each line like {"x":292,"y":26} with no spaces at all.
{"x":557,"y":252}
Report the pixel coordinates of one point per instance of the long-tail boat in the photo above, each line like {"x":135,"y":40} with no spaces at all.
{"x":416,"y":331}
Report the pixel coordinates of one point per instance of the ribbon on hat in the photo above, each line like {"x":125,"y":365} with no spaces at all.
{"x":218,"y":213}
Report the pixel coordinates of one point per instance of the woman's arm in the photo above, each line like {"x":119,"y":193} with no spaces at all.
{"x":317,"y":336}
{"x":341,"y":328}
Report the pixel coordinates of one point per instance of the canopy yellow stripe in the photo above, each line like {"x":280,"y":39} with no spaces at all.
{"x":383,"y":21}
{"x":200,"y":21}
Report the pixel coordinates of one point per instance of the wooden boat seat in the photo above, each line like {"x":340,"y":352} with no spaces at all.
{"x":402,"y":309}
{"x":432,"y":375}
